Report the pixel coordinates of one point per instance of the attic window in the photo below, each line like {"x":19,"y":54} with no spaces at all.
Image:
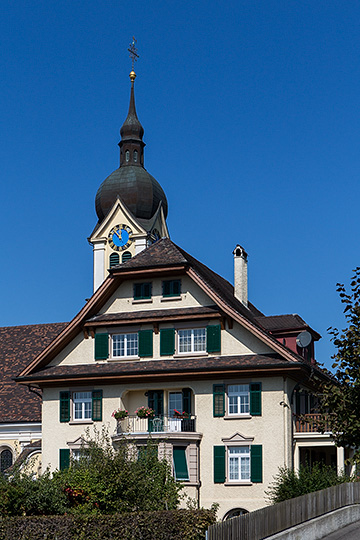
{"x":171,"y":287}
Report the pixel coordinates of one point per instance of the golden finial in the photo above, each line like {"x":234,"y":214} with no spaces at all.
{"x":134,"y":56}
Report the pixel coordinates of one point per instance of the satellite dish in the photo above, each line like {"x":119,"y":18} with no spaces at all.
{"x":304,"y":339}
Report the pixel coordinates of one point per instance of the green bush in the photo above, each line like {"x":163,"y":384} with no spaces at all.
{"x":289,"y":484}
{"x":164,"y":525}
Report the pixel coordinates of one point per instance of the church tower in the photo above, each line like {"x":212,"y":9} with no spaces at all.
{"x":131,"y":206}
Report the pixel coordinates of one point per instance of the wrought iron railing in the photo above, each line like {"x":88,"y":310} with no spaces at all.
{"x":159,"y":424}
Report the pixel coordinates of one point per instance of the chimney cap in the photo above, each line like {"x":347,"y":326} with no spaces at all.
{"x":239,"y":251}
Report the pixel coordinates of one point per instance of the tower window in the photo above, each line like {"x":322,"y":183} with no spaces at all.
{"x":126,"y":256}
{"x":127,"y":156}
{"x":114,"y":259}
{"x":135,"y":156}
{"x":6,"y":460}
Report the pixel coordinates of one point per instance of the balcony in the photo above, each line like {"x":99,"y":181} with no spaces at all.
{"x":307,"y":424}
{"x":133,"y":425}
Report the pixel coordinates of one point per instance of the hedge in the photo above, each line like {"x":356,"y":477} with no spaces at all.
{"x":163,"y":525}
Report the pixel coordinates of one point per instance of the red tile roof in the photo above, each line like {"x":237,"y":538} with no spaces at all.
{"x":19,"y":345}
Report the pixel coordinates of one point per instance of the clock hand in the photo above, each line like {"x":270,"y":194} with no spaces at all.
{"x":118,"y":235}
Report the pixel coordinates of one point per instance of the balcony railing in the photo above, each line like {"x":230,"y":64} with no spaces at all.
{"x":307,"y":424}
{"x":159,"y":424}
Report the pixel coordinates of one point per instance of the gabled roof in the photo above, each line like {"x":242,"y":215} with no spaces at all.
{"x":19,"y":345}
{"x":165,"y":258}
{"x":282,"y":323}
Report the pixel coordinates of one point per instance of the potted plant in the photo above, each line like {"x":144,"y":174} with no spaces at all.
{"x":181,"y":415}
{"x":145,"y":412}
{"x":120,"y":414}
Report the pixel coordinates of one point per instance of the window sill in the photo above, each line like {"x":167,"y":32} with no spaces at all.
{"x":142,"y":301}
{"x":244,"y":483}
{"x":123,"y":358}
{"x":238,"y":417}
{"x":80,"y":422}
{"x":190,"y":354}
{"x":169,"y":298}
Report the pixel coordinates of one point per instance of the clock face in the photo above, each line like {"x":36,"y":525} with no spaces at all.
{"x":120,"y":237}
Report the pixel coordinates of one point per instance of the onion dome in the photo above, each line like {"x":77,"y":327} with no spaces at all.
{"x":131,"y":182}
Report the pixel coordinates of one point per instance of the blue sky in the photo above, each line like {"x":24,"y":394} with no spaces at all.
{"x":251,"y":116}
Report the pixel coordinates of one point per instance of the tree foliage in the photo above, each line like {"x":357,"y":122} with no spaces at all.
{"x":289,"y":484}
{"x":102,"y":481}
{"x":340,"y":404}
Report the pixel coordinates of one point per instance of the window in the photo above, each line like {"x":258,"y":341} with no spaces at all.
{"x":81,"y":405}
{"x":244,"y":463}
{"x":239,"y":463}
{"x":171,"y":287}
{"x":175,"y":402}
{"x":127,"y":156}
{"x":126,"y":256}
{"x":239,"y":399}
{"x":6,"y":459}
{"x":193,"y":340}
{"x":142,"y":291}
{"x":197,"y":340}
{"x":135,"y":156}
{"x":125,"y":345}
{"x":82,"y":402}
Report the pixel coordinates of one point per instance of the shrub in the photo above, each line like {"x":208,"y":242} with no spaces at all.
{"x":289,"y":484}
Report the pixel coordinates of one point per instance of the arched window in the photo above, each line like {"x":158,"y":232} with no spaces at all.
{"x":135,"y":156}
{"x":126,"y":256}
{"x":114,"y":259}
{"x":235,"y":512}
{"x":127,"y":156}
{"x":6,"y":460}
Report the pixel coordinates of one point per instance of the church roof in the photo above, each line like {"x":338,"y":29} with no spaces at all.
{"x":19,"y":345}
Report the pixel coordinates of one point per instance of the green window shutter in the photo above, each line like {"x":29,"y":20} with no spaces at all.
{"x":166,"y":288}
{"x":186,"y":397}
{"x":219,"y":464}
{"x":156,"y":401}
{"x":167,"y":342}
{"x":256,"y":463}
{"x":255,"y":399}
{"x":64,"y":458}
{"x":101,"y":346}
{"x":126,"y":256}
{"x":145,"y":343}
{"x":213,"y":339}
{"x":146,"y":292}
{"x":176,"y":287}
{"x":64,"y":406}
{"x":137,"y":291}
{"x":97,"y":405}
{"x":218,"y":400}
{"x":114,"y":259}
{"x":180,"y":464}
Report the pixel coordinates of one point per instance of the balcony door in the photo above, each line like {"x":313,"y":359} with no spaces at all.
{"x":156,"y":402}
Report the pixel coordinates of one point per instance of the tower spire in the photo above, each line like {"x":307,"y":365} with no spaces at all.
{"x":131,"y":144}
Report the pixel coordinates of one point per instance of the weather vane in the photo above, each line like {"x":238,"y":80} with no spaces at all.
{"x":133,"y":53}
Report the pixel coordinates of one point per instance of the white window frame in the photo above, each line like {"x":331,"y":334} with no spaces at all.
{"x":127,"y":345}
{"x":240,"y":460}
{"x":238,"y":399}
{"x":192,"y":331}
{"x":85,"y":412}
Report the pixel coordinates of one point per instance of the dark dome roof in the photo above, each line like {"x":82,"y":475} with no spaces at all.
{"x":136,"y":188}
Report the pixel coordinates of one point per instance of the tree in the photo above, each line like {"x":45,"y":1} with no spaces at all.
{"x":340,"y":403}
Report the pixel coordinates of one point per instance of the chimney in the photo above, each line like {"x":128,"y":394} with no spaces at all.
{"x":240,"y":275}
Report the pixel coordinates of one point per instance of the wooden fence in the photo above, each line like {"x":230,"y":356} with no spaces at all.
{"x":273,"y":519}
